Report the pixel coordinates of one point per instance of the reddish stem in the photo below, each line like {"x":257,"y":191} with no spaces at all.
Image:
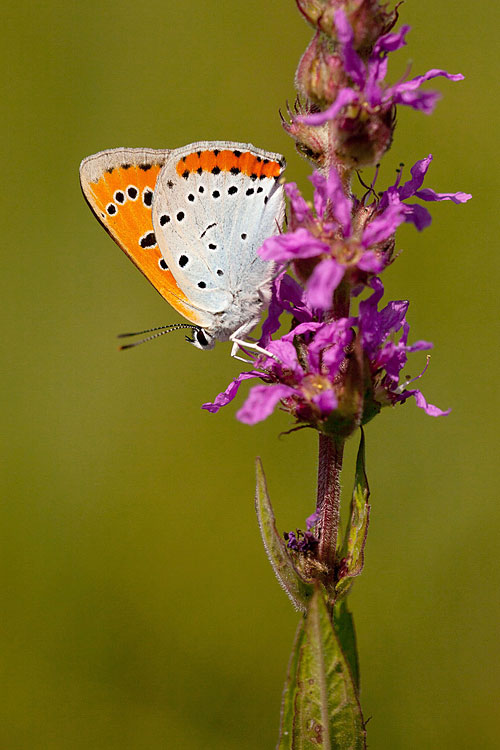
{"x":328,"y":500}
{"x":331,"y":452}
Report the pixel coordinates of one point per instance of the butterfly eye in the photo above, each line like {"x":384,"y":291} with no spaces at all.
{"x":202,"y":339}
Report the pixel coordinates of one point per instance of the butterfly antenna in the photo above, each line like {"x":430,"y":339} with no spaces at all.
{"x":161,"y":330}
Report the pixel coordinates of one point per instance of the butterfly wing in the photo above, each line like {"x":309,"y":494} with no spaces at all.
{"x":214,"y":205}
{"x":119,"y":186}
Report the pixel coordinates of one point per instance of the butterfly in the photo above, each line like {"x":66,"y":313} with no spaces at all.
{"x":192,"y":219}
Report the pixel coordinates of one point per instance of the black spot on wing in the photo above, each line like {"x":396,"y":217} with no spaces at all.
{"x":147,"y":240}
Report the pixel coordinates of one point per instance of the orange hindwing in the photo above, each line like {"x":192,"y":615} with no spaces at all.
{"x":118,"y":186}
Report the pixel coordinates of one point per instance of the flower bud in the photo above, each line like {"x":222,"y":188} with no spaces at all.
{"x":311,"y":141}
{"x":369,"y":19}
{"x":320,"y":73}
{"x":363,"y":135}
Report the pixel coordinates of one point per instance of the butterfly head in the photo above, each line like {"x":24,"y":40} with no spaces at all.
{"x":201,"y":339}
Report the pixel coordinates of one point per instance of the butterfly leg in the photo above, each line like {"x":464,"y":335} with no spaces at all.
{"x":240,"y":343}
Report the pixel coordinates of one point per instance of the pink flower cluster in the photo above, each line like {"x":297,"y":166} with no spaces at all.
{"x":334,"y":370}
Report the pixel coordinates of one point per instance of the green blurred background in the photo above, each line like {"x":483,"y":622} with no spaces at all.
{"x":139,"y":610}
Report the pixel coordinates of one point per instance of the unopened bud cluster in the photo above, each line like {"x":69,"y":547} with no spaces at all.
{"x":361,"y":133}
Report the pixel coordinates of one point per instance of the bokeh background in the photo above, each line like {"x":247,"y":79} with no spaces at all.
{"x":139,"y":610}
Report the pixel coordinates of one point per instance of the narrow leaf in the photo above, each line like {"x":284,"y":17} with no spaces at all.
{"x":352,"y":552}
{"x":297,"y":589}
{"x":288,"y":699}
{"x":320,"y":709}
{"x":346,"y":633}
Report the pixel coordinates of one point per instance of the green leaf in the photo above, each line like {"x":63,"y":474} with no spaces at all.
{"x":352,"y":552}
{"x":320,"y":709}
{"x":297,"y":589}
{"x":346,"y":633}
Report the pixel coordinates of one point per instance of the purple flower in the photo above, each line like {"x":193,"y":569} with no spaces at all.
{"x":306,"y":387}
{"x":305,"y":370}
{"x":414,"y":213}
{"x":287,"y":295}
{"x":301,"y":541}
{"x":368,"y":88}
{"x":346,"y":236}
{"x":325,"y":234}
{"x":387,"y":357}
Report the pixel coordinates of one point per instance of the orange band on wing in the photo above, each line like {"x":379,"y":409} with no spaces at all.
{"x":122,"y":200}
{"x":228,"y":161}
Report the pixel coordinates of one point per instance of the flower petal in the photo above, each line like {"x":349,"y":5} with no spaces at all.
{"x":312,"y":520}
{"x":344,"y":97}
{"x":371,"y":262}
{"x":415,"y":83}
{"x":320,"y":193}
{"x":391,"y":42}
{"x":353,"y":64}
{"x":326,"y":401}
{"x":422,"y":101}
{"x":292,"y":245}
{"x":324,"y":280}
{"x":420,"y":346}
{"x":309,"y":327}
{"x":292,"y":298}
{"x":341,"y":204}
{"x":430,"y":409}
{"x":334,"y":356}
{"x":272,"y":322}
{"x":417,"y":215}
{"x":426,"y":194}
{"x":300,"y":209}
{"x":224,"y":398}
{"x":376,"y":326}
{"x":407,"y":92}
{"x":261,"y":402}
{"x":384,"y":225}
{"x":418,"y":172}
{"x":286,"y":353}
{"x":327,"y":350}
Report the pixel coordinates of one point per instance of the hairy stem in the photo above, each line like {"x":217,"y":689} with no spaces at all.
{"x":328,"y":500}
